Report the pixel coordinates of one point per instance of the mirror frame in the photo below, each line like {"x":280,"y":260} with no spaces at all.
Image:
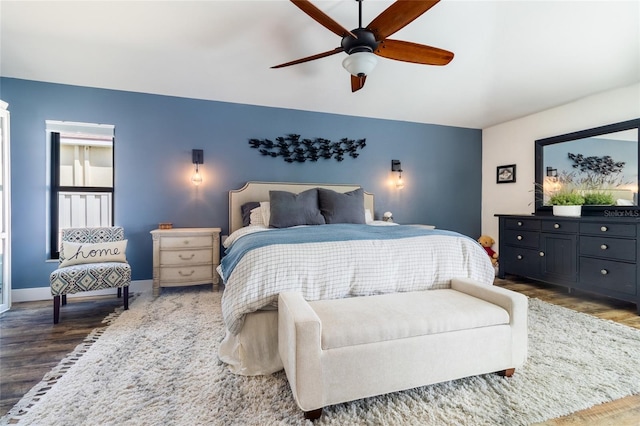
{"x":630,"y":211}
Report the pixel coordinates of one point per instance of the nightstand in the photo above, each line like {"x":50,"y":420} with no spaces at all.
{"x":185,"y":256}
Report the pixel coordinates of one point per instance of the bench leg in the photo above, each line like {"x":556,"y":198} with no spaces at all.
{"x":125,"y":295}
{"x":313,"y":414}
{"x":64,"y":299}
{"x":507,"y":373}
{"x":56,"y":309}
{"x":119,"y":292}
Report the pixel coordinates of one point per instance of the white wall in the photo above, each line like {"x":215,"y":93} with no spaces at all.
{"x":513,"y":143}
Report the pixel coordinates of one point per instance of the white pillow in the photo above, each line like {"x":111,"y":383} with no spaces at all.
{"x":265,"y":207}
{"x":255,"y":217}
{"x":368,"y":217}
{"x":82,"y":253}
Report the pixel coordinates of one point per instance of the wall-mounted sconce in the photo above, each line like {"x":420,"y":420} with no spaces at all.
{"x":197,"y":158}
{"x":552,"y":175}
{"x":397,"y":167}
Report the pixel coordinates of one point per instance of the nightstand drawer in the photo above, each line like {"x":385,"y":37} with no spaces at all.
{"x":186,"y":241}
{"x":186,"y":273}
{"x":610,"y":248}
{"x":186,"y":257}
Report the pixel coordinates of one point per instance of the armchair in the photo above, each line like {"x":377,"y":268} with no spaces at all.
{"x":94,"y":261}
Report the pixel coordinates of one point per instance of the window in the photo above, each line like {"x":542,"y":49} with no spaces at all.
{"x":81,"y":177}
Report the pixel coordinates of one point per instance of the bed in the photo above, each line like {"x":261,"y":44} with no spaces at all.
{"x":322,"y":241}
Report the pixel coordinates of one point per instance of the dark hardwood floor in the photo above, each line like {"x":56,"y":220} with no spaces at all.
{"x":31,"y":345}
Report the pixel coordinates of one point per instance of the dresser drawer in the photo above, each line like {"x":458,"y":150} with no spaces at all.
{"x":560,"y":226}
{"x":522,"y":238}
{"x":185,"y":257}
{"x":533,"y":225}
{"x":187,"y":273}
{"x":167,"y":242}
{"x":608,"y":229}
{"x":521,"y":261}
{"x":609,"y":275}
{"x":610,"y":248}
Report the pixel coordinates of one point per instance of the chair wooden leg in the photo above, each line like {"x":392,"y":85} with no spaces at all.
{"x":119,"y":292}
{"x":56,"y":309}
{"x":64,"y":299}
{"x":125,"y":294}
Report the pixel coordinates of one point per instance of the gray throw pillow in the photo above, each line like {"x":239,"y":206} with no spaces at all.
{"x":289,"y":209}
{"x":246,"y":211}
{"x":342,"y":208}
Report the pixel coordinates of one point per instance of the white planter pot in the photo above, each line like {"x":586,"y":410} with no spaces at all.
{"x":572,"y":211}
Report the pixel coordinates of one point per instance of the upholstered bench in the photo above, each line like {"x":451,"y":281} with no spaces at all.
{"x":341,"y":350}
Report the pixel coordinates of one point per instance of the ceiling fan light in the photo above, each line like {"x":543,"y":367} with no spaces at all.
{"x":360,"y":63}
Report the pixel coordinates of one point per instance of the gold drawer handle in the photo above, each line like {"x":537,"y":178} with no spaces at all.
{"x":541,"y":254}
{"x":556,"y":225}
{"x":519,"y":257}
{"x":604,"y":228}
{"x":604,"y":247}
{"x":604,"y":271}
{"x":519,"y":238}
{"x":182,"y":274}
{"x":186,"y":258}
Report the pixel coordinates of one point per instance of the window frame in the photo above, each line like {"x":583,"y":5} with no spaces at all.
{"x":55,"y":131}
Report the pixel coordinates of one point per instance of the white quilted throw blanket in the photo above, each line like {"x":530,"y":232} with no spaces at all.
{"x":336,"y":261}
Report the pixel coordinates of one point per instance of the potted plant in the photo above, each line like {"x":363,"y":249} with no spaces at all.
{"x":567,"y":203}
{"x":599,"y":198}
{"x":562,"y":194}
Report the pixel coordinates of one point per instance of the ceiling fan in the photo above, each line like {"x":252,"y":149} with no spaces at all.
{"x":363,"y":44}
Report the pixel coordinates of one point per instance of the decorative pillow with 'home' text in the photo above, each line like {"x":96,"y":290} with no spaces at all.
{"x":79,"y":253}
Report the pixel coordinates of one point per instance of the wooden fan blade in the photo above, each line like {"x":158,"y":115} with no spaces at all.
{"x":413,"y":52}
{"x":357,"y":82}
{"x":397,"y":16}
{"x":323,"y":19}
{"x":311,"y":58}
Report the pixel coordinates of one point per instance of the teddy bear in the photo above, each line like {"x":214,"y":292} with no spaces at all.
{"x":486,"y":242}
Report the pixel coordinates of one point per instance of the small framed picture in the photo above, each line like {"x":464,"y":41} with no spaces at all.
{"x":506,"y":174}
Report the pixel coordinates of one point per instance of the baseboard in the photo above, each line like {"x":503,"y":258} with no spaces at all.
{"x":44,"y":293}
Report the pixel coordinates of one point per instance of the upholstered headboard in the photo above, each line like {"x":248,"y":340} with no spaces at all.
{"x":259,"y":191}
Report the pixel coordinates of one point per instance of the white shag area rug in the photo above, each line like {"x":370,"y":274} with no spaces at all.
{"x":156,"y":364}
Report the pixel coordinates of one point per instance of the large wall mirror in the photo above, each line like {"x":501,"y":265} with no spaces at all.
{"x":599,"y":161}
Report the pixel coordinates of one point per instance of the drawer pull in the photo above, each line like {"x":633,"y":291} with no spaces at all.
{"x":519,"y":238}
{"x":556,"y":225}
{"x":186,"y":242}
{"x":604,"y":247}
{"x":604,"y":228}
{"x":519,"y":223}
{"x":604,"y":271}
{"x":186,"y":258}
{"x":182,"y":274}
{"x":541,"y":254}
{"x":519,"y":257}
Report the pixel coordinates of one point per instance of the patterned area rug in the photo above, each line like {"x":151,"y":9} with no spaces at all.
{"x":157,"y":364}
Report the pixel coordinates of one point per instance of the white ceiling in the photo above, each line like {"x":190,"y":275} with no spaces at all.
{"x":512,"y":58}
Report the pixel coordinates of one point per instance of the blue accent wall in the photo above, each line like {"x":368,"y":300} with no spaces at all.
{"x":154,"y":138}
